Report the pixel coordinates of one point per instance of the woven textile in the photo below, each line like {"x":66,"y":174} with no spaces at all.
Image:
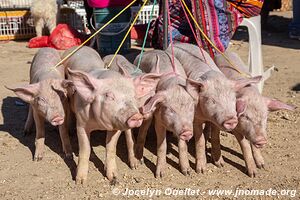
{"x":217,"y":18}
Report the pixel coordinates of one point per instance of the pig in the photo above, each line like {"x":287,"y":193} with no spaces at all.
{"x":172,"y":108}
{"x":47,"y":97}
{"x":145,"y":83}
{"x":215,"y":94}
{"x":103,"y":100}
{"x":253,"y":109}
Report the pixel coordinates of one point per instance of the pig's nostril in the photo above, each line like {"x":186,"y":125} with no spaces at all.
{"x":135,"y":120}
{"x":57,"y":120}
{"x":186,"y":135}
{"x":230,"y":124}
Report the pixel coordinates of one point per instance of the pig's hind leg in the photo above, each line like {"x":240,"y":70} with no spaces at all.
{"x":29,"y":122}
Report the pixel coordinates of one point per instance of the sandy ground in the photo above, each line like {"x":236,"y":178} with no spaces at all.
{"x":53,"y":177}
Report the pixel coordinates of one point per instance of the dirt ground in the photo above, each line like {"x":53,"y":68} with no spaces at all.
{"x":53,"y":177}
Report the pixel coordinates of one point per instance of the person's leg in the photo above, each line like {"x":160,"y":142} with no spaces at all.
{"x":294,"y":26}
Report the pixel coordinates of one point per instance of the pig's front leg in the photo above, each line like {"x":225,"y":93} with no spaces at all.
{"x":133,"y":162}
{"x":111,"y":148}
{"x":29,"y":122}
{"x":200,"y":147}
{"x":139,"y":149}
{"x":39,"y":137}
{"x":84,"y":155}
{"x":161,"y":149}
{"x":247,"y":153}
{"x":216,"y":155}
{"x":183,"y":157}
{"x":258,"y":158}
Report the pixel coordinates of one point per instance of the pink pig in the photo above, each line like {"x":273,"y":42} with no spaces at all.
{"x":103,"y":100}
{"x":253,"y":109}
{"x":47,"y":96}
{"x":214,"y":93}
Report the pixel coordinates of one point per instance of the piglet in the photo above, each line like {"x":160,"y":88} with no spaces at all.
{"x":103,"y":100}
{"x":47,"y":96}
{"x":253,"y":109}
{"x":172,"y":108}
{"x":214,"y":93}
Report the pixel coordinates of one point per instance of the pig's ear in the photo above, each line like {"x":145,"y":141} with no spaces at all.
{"x":239,"y":84}
{"x":153,"y":102}
{"x":274,"y":105}
{"x":26,"y":93}
{"x":123,"y":71}
{"x":241,"y":106}
{"x":146,"y":84}
{"x":68,"y":86}
{"x":194,"y":87}
{"x":85,"y":85}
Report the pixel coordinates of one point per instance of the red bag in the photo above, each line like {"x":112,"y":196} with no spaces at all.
{"x":62,"y":37}
{"x":39,"y":42}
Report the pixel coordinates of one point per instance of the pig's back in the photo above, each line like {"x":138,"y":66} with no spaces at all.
{"x":192,"y":60}
{"x":43,"y":64}
{"x":149,"y":60}
{"x":229,"y":70}
{"x":85,"y":59}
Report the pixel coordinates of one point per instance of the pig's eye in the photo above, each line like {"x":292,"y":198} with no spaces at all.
{"x":245,"y":117}
{"x":211,"y":100}
{"x":171,"y":110}
{"x":41,"y":101}
{"x":110,"y":96}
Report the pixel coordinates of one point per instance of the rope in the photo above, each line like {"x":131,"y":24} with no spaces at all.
{"x":211,"y":43}
{"x":145,"y":39}
{"x":171,"y":38}
{"x":193,"y":31}
{"x":127,"y":33}
{"x":93,"y":35}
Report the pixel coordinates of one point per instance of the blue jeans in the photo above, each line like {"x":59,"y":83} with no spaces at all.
{"x":295,"y":24}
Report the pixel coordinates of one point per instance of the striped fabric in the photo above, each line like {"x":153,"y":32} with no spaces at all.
{"x":217,"y":18}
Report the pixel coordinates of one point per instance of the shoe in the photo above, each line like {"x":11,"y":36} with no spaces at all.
{"x":294,"y":34}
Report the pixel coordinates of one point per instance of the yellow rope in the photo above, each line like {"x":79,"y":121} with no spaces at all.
{"x":211,"y":43}
{"x":137,"y":15}
{"x":100,"y":29}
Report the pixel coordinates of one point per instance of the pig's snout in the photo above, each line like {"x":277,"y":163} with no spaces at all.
{"x":186,"y":135}
{"x":231,"y":123}
{"x":57,"y":120}
{"x":260,"y":142}
{"x":135,"y":120}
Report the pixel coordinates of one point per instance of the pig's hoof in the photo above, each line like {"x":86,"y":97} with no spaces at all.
{"x":114,"y":181}
{"x":219,"y":163}
{"x":260,"y":164}
{"x":139,"y":153}
{"x":186,"y":172}
{"x":81,"y":180}
{"x":68,"y":156}
{"x":252,"y":173}
{"x":159,"y":173}
{"x":38,"y":156}
{"x":200,"y":168}
{"x":134,"y":163}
